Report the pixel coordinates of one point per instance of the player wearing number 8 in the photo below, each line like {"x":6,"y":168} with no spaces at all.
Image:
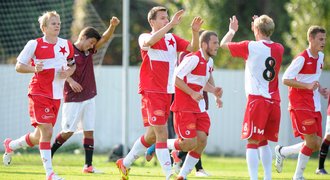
{"x":263,"y":59}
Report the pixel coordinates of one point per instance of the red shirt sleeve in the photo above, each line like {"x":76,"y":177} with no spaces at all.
{"x":239,"y":49}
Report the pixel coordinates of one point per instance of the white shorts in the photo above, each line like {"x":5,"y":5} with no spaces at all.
{"x":327,"y":127}
{"x":78,"y":115}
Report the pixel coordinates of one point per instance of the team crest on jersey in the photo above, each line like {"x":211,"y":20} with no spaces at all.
{"x":63,"y":51}
{"x":171,"y":42}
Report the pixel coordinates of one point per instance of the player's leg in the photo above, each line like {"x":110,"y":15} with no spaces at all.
{"x":71,"y":116}
{"x":271,"y":130}
{"x":27,"y":140}
{"x":252,"y":158}
{"x":194,"y":155}
{"x":324,"y":149}
{"x":266,"y":158}
{"x":312,"y":144}
{"x":162,"y":151}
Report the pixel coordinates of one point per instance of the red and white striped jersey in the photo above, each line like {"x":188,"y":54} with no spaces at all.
{"x":159,"y":61}
{"x":307,"y":69}
{"x":54,"y":57}
{"x":263,"y":63}
{"x":195,"y":71}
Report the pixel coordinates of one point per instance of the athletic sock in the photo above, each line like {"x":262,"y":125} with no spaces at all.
{"x":164,"y":158}
{"x":138,"y":149}
{"x":59,"y":141}
{"x":252,"y":160}
{"x":266,"y":159}
{"x":173,"y":144}
{"x":290,"y":150}
{"x":21,"y":142}
{"x":198,"y":165}
{"x":89,"y":149}
{"x":303,"y":158}
{"x":191,"y":160}
{"x":323,"y":153}
{"x":45,"y":154}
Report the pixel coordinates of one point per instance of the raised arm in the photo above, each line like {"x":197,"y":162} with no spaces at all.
{"x":156,"y":36}
{"x":108,"y":33}
{"x":233,"y":27}
{"x":195,"y":27}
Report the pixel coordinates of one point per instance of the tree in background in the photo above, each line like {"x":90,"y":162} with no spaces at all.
{"x":305,"y":13}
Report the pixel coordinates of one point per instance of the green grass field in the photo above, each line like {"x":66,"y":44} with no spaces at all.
{"x":69,"y":166}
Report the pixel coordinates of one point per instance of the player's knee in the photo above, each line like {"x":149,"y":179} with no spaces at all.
{"x":189,"y":144}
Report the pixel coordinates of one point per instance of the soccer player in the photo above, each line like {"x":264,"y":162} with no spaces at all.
{"x":263,"y":59}
{"x":191,"y":120}
{"x":302,"y":77}
{"x":80,"y":92}
{"x":50,"y":58}
{"x":159,"y":53}
{"x":325,"y":144}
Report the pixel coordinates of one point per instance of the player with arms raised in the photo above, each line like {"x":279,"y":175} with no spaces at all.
{"x":263,"y":59}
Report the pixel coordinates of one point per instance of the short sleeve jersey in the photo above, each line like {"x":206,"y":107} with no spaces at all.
{"x":263,"y":63}
{"x":54,"y":57}
{"x":195,"y":70}
{"x":158,"y":63}
{"x":84,"y":75}
{"x":305,"y":68}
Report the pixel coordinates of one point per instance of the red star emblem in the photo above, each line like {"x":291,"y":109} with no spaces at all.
{"x":63,"y":50}
{"x":171,"y":42}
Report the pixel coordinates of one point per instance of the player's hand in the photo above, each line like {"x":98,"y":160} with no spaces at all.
{"x":38,"y":67}
{"x":313,"y":86}
{"x":219,"y":103}
{"x":197,"y":96}
{"x":233,"y":24}
{"x":218,"y":92}
{"x":64,"y":73}
{"x":114,"y":21}
{"x":196,"y":24}
{"x":252,"y":23}
{"x":76,"y":87}
{"x":176,"y":19}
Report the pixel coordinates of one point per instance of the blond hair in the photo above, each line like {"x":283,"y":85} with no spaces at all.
{"x":265,"y":25}
{"x":44,"y":18}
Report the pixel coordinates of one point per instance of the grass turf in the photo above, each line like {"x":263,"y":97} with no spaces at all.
{"x":29,"y":167}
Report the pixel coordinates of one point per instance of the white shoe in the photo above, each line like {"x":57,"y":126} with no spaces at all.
{"x":202,"y":173}
{"x":6,"y":158}
{"x":279,"y":159}
{"x":53,"y":176}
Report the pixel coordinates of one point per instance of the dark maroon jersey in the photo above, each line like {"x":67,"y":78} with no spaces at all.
{"x":84,"y":75}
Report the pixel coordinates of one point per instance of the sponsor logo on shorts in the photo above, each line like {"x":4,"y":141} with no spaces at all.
{"x":48,"y":116}
{"x":258,"y":131}
{"x":159,"y":113}
{"x":47,"y":110}
{"x":308,"y":122}
{"x":191,"y":126}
